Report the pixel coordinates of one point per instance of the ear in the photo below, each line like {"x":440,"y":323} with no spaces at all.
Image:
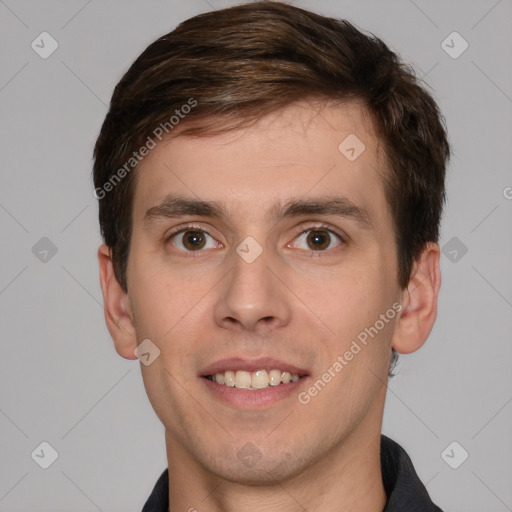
{"x":419,"y":301}
{"x":116,"y":304}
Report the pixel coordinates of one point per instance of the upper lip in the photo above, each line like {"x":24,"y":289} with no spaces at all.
{"x":251,"y":365}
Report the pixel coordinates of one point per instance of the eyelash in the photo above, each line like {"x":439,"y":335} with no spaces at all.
{"x":316,"y":227}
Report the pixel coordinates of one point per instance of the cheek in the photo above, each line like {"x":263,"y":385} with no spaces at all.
{"x":159,"y":297}
{"x":173,"y":314}
{"x":349,"y":297}
{"x":356,"y":304}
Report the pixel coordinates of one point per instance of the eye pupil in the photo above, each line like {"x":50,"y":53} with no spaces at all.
{"x":318,"y":240}
{"x":193,"y":240}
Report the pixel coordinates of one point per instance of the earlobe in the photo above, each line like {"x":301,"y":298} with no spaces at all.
{"x":419,"y":302}
{"x":117,"y":309}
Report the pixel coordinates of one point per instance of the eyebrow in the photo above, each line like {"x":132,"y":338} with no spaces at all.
{"x":175,"y":206}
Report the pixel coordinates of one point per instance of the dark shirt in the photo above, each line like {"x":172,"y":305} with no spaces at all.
{"x":403,"y":488}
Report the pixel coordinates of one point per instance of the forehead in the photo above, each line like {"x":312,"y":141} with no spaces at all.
{"x":306,"y":149}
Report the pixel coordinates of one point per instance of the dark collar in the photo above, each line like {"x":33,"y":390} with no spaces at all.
{"x":403,"y":487}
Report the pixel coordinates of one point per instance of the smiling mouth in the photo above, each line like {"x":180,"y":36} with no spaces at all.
{"x":260,"y":379}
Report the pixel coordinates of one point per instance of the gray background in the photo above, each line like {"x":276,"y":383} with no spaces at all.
{"x":61,"y":380}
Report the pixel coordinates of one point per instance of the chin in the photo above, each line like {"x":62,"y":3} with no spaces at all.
{"x":264,"y":471}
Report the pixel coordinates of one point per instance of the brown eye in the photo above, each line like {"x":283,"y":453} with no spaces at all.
{"x":317,"y":240}
{"x":192,"y":240}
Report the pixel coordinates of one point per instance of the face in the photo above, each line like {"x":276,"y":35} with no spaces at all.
{"x":260,"y":259}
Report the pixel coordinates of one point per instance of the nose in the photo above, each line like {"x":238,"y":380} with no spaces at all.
{"x":252,"y":297}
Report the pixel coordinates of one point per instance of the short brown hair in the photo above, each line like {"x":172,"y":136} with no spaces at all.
{"x":237,"y":65}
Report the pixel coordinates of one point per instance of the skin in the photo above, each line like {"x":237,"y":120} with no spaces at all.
{"x":294,"y":303}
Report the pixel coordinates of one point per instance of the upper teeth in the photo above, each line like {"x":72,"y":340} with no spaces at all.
{"x":259,"y":379}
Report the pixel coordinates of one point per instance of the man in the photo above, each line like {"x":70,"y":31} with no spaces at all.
{"x":270,"y":185}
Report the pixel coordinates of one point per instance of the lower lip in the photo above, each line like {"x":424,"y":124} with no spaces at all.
{"x":253,"y":399}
